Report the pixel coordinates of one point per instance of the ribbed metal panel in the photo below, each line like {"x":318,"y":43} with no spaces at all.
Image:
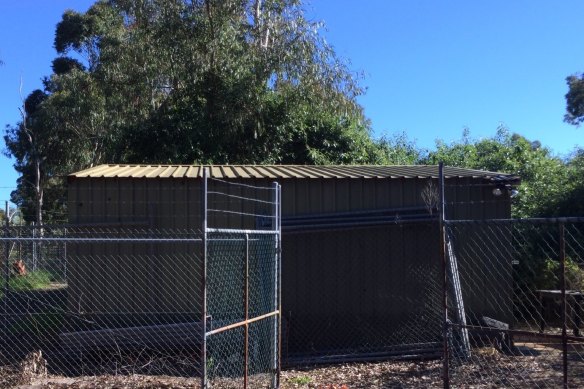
{"x":285,"y":172}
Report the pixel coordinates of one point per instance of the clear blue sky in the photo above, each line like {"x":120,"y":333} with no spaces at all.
{"x":431,"y":67}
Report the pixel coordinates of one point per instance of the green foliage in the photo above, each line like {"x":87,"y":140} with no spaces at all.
{"x":543,"y":176}
{"x":300,"y":380}
{"x":571,"y":198}
{"x":212,"y":81}
{"x":398,"y":150}
{"x":42,"y":153}
{"x":549,"y":275}
{"x":35,"y":280}
{"x":575,"y":100}
{"x":189,"y":82}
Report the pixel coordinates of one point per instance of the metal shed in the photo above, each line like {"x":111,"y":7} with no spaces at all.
{"x":360,"y":245}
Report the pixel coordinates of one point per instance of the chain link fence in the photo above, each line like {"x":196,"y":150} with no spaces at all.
{"x":362,"y":292}
{"x":496,"y":302}
{"x":128,"y":303}
{"x":521,"y":285}
{"x":242,"y":309}
{"x":198,"y":305}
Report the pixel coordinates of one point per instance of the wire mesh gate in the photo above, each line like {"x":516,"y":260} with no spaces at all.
{"x":241,"y":344}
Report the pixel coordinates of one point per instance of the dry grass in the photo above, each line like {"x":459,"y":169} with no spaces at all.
{"x":538,"y":366}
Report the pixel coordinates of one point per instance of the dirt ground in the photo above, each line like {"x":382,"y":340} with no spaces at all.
{"x":536,"y":366}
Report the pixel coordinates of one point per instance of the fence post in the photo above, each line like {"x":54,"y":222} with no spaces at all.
{"x":442,"y":218}
{"x":34,"y":247}
{"x":6,"y":273}
{"x":564,"y":305}
{"x":204,"y":280}
{"x":246,"y":313}
{"x":276,"y":193}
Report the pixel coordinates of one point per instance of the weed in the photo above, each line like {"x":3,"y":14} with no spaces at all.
{"x":301,"y":380}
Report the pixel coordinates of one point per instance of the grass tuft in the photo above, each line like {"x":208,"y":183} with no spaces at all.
{"x":38,"y":279}
{"x":301,"y":380}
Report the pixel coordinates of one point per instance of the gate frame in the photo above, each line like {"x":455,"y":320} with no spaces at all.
{"x":276,"y":231}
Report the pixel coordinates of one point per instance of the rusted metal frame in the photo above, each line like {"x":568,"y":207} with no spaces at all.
{"x":445,"y":329}
{"x":246,"y":309}
{"x":204,"y":190}
{"x":242,"y":323}
{"x":564,"y":316}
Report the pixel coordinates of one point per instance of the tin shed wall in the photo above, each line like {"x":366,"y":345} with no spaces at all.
{"x":336,"y":274}
{"x":174,"y":203}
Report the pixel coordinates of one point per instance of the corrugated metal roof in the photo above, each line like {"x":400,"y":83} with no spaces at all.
{"x":285,"y":171}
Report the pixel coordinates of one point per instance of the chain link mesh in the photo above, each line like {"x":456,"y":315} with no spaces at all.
{"x":143,"y":301}
{"x":242,"y":307}
{"x":121,"y":301}
{"x":511,"y":281}
{"x":362,"y":293}
{"x":102,"y":301}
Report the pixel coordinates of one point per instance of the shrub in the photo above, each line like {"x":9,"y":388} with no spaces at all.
{"x":550,"y":275}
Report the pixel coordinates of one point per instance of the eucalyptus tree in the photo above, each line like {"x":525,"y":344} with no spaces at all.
{"x":207,"y":81}
{"x":575,"y":99}
{"x":37,"y":147}
{"x":184,"y":81}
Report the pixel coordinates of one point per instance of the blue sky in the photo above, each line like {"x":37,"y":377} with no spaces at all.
{"x":431,"y":68}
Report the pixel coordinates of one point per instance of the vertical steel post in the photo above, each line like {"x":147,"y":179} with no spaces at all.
{"x":65,"y":257}
{"x":6,"y":271}
{"x":34,"y":247}
{"x":279,"y":259}
{"x":564,"y":305}
{"x":204,"y":279}
{"x":442,"y":218}
{"x":246,"y":309}
{"x":277,"y":272}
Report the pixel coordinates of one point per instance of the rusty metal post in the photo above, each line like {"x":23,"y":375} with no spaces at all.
{"x":204,"y":279}
{"x":564,"y":305}
{"x":246,"y":313}
{"x":442,"y":218}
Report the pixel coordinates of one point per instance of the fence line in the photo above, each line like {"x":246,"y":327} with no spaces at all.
{"x":523,"y":281}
